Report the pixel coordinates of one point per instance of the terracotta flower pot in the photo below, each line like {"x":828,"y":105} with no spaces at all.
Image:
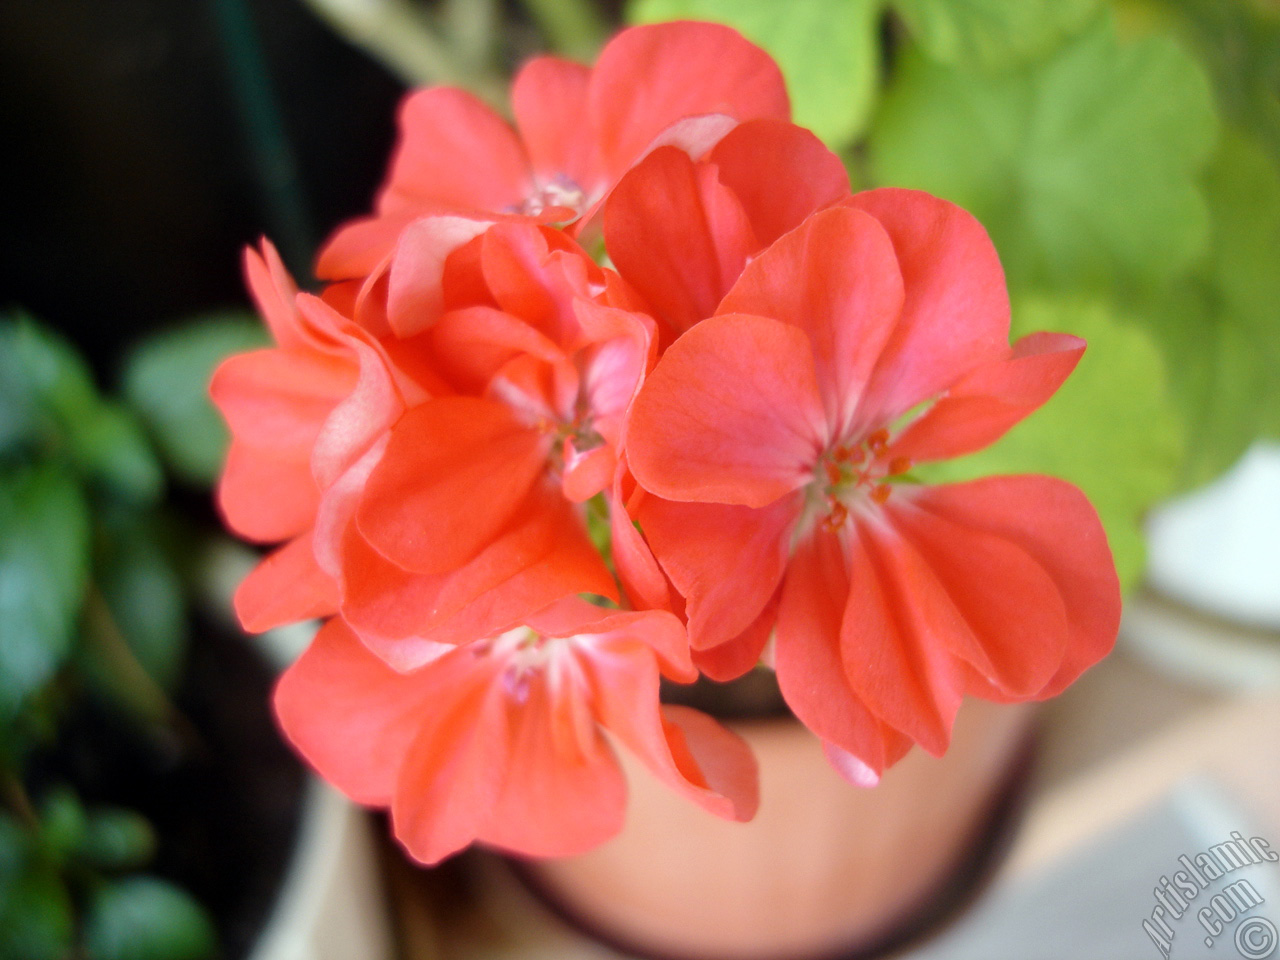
{"x":825,"y":868}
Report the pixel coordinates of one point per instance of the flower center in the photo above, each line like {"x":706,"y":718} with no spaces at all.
{"x":559,"y":192}
{"x":851,"y":474}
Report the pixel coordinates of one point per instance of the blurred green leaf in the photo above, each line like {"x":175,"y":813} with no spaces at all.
{"x":50,"y":393}
{"x":63,"y":825}
{"x":1220,"y":328}
{"x":829,"y":51}
{"x":1240,"y":43}
{"x":1082,"y":167}
{"x":13,"y":854}
{"x":1112,"y":429}
{"x":143,"y":592}
{"x":993,"y":33}
{"x":55,"y":372}
{"x":117,"y":839}
{"x":44,"y":559}
{"x":19,"y":405}
{"x":166,"y":380}
{"x":109,"y":445}
{"x":145,"y":918}
{"x":36,"y":920}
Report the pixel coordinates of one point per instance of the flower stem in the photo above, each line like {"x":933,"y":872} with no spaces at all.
{"x":399,"y":35}
{"x":574,"y":27}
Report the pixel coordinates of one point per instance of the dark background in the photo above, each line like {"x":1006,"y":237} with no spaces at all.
{"x":146,"y":141}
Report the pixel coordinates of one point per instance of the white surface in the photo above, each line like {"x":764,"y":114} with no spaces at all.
{"x":332,"y":905}
{"x":1218,"y":549}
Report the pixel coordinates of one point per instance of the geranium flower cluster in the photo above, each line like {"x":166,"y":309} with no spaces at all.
{"x":634,"y":389}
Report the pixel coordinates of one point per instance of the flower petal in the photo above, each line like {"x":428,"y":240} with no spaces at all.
{"x":267,"y":495}
{"x":956,"y":312}
{"x":1017,"y":625}
{"x":352,"y":716}
{"x":986,"y":402}
{"x":452,"y":476}
{"x":678,"y":236}
{"x":836,"y":278}
{"x":549,"y":99}
{"x":543,"y":555}
{"x":725,"y":560}
{"x":649,"y":77}
{"x":807,"y":655}
{"x":273,"y":292}
{"x":731,"y":414}
{"x":734,"y":658}
{"x":643,"y":581}
{"x":563,"y":793}
{"x":453,"y":772}
{"x":1057,"y":526}
{"x":286,"y":586}
{"x":780,"y":173}
{"x":415,"y":295}
{"x":897,"y":637}
{"x":687,"y":750}
{"x":454,"y":153}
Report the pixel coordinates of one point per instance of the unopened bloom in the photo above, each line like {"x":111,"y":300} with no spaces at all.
{"x":502,"y":741}
{"x":777,"y":439}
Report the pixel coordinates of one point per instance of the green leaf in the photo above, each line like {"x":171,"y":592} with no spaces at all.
{"x":109,"y":446}
{"x":63,"y":825}
{"x":36,"y":922}
{"x":1112,"y":429}
{"x":55,"y":372}
{"x":993,"y":33}
{"x":13,"y":854}
{"x":52,"y":392}
{"x":143,"y":591}
{"x":1240,"y":44}
{"x":1082,"y":167}
{"x":145,"y":918}
{"x":829,"y":52}
{"x":1219,"y":328}
{"x":44,"y":554}
{"x":166,"y":380}
{"x":117,"y":839}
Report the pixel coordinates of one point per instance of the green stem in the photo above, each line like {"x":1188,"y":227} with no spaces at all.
{"x":15,"y":795}
{"x":131,"y":678}
{"x":472,"y":28}
{"x":399,"y":35}
{"x":574,"y":27}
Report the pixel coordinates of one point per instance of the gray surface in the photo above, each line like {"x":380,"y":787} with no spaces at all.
{"x":1090,"y":905}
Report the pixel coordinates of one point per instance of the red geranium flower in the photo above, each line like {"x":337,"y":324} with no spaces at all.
{"x":775,"y":437}
{"x":464,"y":518}
{"x":578,"y":129}
{"x":501,"y":740}
{"x":300,"y":414}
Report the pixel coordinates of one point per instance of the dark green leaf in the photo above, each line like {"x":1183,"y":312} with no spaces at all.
{"x":1111,"y":429}
{"x":1220,"y":328}
{"x":62,"y":825}
{"x":1082,"y":167}
{"x":44,"y":553}
{"x":993,"y":33}
{"x":36,"y":922}
{"x":145,"y":918}
{"x":166,"y":380}
{"x":144,"y":594}
{"x":117,"y":839}
{"x":829,"y":52}
{"x":56,"y":373}
{"x":109,"y":446}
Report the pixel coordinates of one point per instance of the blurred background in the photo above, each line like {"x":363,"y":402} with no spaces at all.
{"x":1124,"y":155}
